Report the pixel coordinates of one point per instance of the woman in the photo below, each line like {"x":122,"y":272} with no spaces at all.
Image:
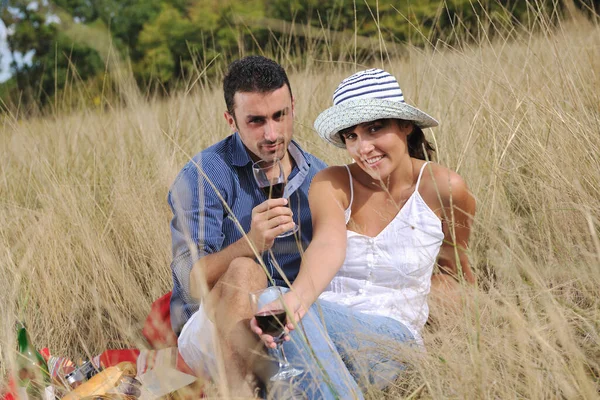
{"x":381,"y":223}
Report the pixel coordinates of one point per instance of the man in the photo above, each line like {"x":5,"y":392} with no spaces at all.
{"x":223,"y":223}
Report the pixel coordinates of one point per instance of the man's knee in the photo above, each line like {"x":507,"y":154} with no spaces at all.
{"x":244,"y":273}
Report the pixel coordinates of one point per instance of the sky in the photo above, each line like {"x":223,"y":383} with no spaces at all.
{"x":5,"y":55}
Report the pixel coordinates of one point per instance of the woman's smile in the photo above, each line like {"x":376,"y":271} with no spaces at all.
{"x":372,"y":162}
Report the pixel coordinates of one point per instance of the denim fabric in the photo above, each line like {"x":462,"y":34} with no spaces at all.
{"x":346,"y":347}
{"x":367,"y":343}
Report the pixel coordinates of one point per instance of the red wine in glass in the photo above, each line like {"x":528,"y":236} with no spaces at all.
{"x":271,"y":322}
{"x":274,"y":191}
{"x":270,"y":178}
{"x":269,"y":312}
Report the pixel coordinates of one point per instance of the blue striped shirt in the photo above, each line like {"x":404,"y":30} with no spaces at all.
{"x":202,"y":225}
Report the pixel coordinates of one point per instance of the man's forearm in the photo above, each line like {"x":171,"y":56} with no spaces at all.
{"x":207,"y":271}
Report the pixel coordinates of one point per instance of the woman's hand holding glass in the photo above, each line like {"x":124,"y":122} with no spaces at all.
{"x":270,"y":322}
{"x":293,"y":306}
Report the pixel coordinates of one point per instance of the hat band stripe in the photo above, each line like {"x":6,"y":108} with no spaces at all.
{"x":358,"y":79}
{"x":389,"y":84}
{"x":365,"y":88}
{"x":370,"y":72}
{"x":392,"y":96}
{"x":389,"y":94}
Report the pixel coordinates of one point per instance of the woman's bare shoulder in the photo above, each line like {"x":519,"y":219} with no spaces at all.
{"x":334,"y":174}
{"x":334,"y":181}
{"x":444,"y":183}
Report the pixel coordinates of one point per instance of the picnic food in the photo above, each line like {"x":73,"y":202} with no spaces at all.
{"x":128,"y":386}
{"x":103,"y":382}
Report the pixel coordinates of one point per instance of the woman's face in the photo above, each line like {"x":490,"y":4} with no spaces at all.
{"x":378,"y":146}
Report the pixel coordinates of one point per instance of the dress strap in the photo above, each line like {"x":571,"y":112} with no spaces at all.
{"x":348,"y":211}
{"x":351,"y":187}
{"x":420,"y":174}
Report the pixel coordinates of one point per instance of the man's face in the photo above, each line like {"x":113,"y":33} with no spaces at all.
{"x":264,"y":122}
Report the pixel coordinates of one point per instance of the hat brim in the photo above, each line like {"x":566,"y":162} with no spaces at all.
{"x":354,"y":112}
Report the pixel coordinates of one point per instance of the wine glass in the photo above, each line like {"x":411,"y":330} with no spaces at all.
{"x":270,"y":177}
{"x":270,"y":315}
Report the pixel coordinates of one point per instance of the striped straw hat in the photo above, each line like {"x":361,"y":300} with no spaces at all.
{"x":367,"y":96}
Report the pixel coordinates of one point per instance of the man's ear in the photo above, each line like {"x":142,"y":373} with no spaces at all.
{"x":293,"y":104}
{"x":230,"y":121}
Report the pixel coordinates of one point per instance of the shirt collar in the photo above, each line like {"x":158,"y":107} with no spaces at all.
{"x":302,"y":165}
{"x":299,"y":156}
{"x":239,"y":153}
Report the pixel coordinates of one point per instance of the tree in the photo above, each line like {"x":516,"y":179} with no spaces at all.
{"x":56,"y":56}
{"x":173,"y":42}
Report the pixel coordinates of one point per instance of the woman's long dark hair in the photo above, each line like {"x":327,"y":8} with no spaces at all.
{"x":418,"y":146}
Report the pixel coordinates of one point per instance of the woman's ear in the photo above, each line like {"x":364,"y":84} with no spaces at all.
{"x":406,"y":126}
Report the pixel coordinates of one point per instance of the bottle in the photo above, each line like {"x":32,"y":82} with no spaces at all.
{"x":32,"y":368}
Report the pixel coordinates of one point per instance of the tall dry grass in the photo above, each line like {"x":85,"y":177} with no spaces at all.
{"x":84,"y":223}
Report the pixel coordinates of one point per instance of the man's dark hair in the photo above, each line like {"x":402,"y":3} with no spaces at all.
{"x":253,"y":74}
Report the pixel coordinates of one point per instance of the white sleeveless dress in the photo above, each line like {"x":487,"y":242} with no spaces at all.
{"x":390,"y":274}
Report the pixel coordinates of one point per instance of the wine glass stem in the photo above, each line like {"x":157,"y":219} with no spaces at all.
{"x":283,"y":362}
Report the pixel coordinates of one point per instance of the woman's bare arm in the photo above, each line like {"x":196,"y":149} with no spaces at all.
{"x":327,"y":251}
{"x":457,"y":217}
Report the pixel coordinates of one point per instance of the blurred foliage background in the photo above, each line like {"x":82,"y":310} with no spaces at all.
{"x":78,"y":44}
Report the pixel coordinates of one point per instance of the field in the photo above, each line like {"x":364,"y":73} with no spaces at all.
{"x":84,"y":222}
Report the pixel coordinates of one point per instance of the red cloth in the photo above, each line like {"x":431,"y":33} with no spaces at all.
{"x":157,"y":328}
{"x":112,"y":357}
{"x":10,"y":392}
{"x":182,"y":366}
{"x":45,"y":352}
